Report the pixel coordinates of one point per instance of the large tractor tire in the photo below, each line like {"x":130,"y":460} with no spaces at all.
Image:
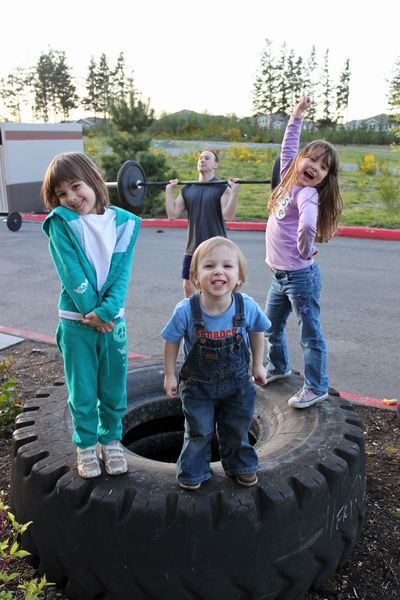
{"x":141,"y":537}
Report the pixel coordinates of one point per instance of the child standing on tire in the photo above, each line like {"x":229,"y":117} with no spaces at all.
{"x":304,"y":207}
{"x":92,"y":245}
{"x":219,"y":326}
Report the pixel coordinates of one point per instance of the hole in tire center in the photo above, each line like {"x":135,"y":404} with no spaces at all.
{"x":155,"y":430}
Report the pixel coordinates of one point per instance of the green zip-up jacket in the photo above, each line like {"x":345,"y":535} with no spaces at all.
{"x":78,"y":277}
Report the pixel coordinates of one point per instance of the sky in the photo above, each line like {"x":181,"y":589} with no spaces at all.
{"x":203,"y":56}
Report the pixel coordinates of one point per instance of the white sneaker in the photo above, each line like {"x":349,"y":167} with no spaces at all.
{"x":113,"y":456}
{"x":305,"y":398}
{"x":271,"y":375}
{"x":88,"y":462}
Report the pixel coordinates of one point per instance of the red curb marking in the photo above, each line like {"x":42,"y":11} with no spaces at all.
{"x":39,"y":337}
{"x":344,"y":230}
{"x":366,"y":401}
{"x":369,"y":232}
{"x":47,"y":339}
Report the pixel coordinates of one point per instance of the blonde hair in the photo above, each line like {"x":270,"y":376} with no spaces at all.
{"x":73,"y":166}
{"x":330,"y":203}
{"x":206,"y":247}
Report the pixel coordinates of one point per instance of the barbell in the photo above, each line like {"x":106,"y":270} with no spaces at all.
{"x":132,"y":183}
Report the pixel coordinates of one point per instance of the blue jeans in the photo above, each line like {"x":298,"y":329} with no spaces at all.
{"x":230,"y":403}
{"x":297,"y":291}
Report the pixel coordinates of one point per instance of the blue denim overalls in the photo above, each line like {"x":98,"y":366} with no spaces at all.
{"x":214,"y":385}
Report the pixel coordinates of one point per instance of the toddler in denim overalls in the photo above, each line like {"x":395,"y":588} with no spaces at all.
{"x":214,"y":383}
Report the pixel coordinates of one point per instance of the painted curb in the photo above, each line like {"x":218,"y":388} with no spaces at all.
{"x":376,"y":233}
{"x":353,"y":398}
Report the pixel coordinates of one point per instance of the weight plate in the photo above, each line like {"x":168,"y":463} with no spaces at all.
{"x":14,"y":221}
{"x":128,"y":176}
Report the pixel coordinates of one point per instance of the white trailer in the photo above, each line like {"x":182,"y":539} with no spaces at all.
{"x":26,"y":150}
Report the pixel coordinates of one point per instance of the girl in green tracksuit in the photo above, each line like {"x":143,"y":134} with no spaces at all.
{"x":92,"y":245}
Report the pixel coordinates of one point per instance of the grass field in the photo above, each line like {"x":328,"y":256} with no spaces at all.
{"x":369,"y":179}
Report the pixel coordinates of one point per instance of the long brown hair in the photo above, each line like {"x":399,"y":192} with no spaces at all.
{"x":330,"y":203}
{"x":73,"y":166}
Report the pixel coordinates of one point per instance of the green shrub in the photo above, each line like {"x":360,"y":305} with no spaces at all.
{"x":389,"y":192}
{"x":11,"y":553}
{"x":10,"y":404}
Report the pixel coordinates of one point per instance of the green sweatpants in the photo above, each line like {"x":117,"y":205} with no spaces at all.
{"x":95,"y":367}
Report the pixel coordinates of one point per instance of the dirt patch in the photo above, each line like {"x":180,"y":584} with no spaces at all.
{"x":373,"y":572}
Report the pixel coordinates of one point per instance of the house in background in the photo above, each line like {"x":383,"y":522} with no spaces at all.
{"x":384,"y":123}
{"x":277,"y":121}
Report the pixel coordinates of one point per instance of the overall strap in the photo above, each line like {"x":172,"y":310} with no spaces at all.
{"x":239,"y":319}
{"x":197,"y":315}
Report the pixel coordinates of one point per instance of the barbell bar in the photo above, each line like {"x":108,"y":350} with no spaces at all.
{"x":132,"y":183}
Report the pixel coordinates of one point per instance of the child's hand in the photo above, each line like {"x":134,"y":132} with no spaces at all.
{"x":93,"y":320}
{"x":301,"y":106}
{"x":259,"y":375}
{"x":170,"y":386}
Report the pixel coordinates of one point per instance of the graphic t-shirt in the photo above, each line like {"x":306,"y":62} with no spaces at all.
{"x":217,"y":327}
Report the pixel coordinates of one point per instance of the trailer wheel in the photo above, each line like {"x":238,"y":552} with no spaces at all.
{"x":140,"y":536}
{"x":14,"y":221}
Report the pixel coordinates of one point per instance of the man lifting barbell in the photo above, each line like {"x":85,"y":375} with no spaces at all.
{"x":207,"y":207}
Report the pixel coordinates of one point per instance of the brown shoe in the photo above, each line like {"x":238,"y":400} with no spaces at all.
{"x":247,"y":479}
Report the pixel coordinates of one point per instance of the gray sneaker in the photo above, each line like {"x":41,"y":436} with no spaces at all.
{"x":88,"y":462}
{"x":305,"y":398}
{"x":113,"y":456}
{"x":271,"y":375}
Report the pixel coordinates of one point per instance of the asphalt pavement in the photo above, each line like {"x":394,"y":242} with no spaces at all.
{"x":360,"y":299}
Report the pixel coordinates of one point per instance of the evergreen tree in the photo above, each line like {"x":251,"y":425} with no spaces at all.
{"x":43,"y":85}
{"x":283,"y":88}
{"x":343,"y":92}
{"x":65,"y":95}
{"x":326,"y":120}
{"x":394,"y":87}
{"x":265,"y":86}
{"x":91,"y":100}
{"x":13,"y":92}
{"x":119,"y":79}
{"x":310,"y":84}
{"x":104,"y":84}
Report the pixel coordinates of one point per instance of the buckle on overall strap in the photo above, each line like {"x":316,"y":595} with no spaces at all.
{"x":197,"y":315}
{"x":239,"y":317}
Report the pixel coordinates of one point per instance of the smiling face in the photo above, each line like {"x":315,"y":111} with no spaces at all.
{"x":312,"y":168}
{"x":217,"y":273}
{"x":76,"y":195}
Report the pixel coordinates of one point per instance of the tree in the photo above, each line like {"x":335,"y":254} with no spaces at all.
{"x":65,"y":96}
{"x":394,"y":87}
{"x":103,"y":84}
{"x":129,"y":113}
{"x":13,"y":91}
{"x":131,"y":118}
{"x":119,"y":79}
{"x":343,"y":92}
{"x":91,"y":100}
{"x":283,"y":88}
{"x":265,"y":86}
{"x":43,"y":85}
{"x":310,"y":84}
{"x":326,"y":85}
{"x":53,"y":86}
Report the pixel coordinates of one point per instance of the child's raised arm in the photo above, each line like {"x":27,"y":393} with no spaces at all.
{"x":302,"y":106}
